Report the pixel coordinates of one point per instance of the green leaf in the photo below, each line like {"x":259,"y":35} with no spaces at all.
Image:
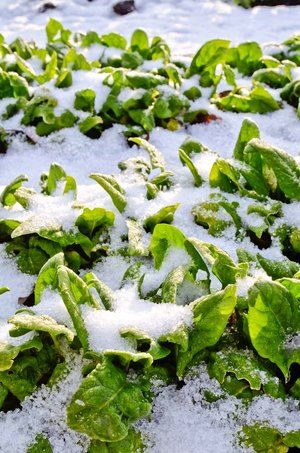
{"x":41,"y":445}
{"x":292,"y":284}
{"x":89,"y":123}
{"x":85,"y":100}
{"x":273,"y":77}
{"x":273,"y":315}
{"x":112,"y":187}
{"x":219,"y":262}
{"x":132,"y":443}
{"x":278,"y":269}
{"x":64,"y":79}
{"x":171,"y":283}
{"x":163,"y":237}
{"x":43,"y":323}
{"x":285,"y":170}
{"x":156,"y":158}
{"x":106,"y":403}
{"x":248,"y":57}
{"x":164,"y":215}
{"x":3,"y":289}
{"x":104,"y":292}
{"x":216,"y":216}
{"x":91,"y":220}
{"x":263,"y":439}
{"x":31,"y":260}
{"x":211,"y":314}
{"x":207,"y":58}
{"x":48,"y":276}
{"x":55,"y":177}
{"x":135,"y":234}
{"x":258,"y":100}
{"x":114,"y":40}
{"x":139,"y":41}
{"x":248,"y":131}
{"x":74,"y":292}
{"x":7,"y":197}
{"x":9,"y":352}
{"x":185,"y":159}
{"x":245,"y":366}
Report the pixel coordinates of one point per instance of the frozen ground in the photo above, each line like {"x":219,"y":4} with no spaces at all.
{"x":185,"y":25}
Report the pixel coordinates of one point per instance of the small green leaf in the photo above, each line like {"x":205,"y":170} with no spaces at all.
{"x":41,"y":445}
{"x":112,"y":187}
{"x":164,"y":215}
{"x":185,"y":159}
{"x":248,"y":131}
{"x":156,"y":158}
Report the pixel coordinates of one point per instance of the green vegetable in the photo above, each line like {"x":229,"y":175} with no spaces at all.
{"x":211,"y":314}
{"x":106,"y":403}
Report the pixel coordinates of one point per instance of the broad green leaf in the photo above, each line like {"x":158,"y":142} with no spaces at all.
{"x":219,"y":262}
{"x":263,"y":438}
{"x":207,"y":58}
{"x":293,"y":285}
{"x":248,"y":57}
{"x":139,"y":40}
{"x":258,"y":100}
{"x":285,"y":170}
{"x":211,"y":314}
{"x":278,"y":269}
{"x":216,"y":216}
{"x":273,"y":315}
{"x":106,"y":403}
{"x":90,"y":123}
{"x":9,"y":352}
{"x":171,"y":283}
{"x":245,"y":366}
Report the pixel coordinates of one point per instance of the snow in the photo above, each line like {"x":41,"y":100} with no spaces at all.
{"x":131,"y":312}
{"x":183,"y":420}
{"x":51,"y":304}
{"x":80,"y":81}
{"x":45,"y":413}
{"x":175,"y":257}
{"x":183,"y":24}
{"x":177,"y":424}
{"x":19,"y":284}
